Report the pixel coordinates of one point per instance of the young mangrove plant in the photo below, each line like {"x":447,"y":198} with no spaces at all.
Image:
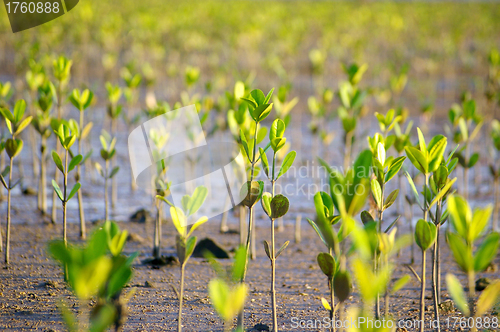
{"x":384,"y":170}
{"x":275,"y":206}
{"x":67,"y":134}
{"x":62,"y":73}
{"x":16,"y":123}
{"x":81,"y":100}
{"x":97,"y":270}
{"x":425,"y":236}
{"x":185,"y":243}
{"x":468,"y":227}
{"x":352,"y":99}
{"x":467,"y":123}
{"x":6,"y":92}
{"x":348,"y":195}
{"x":42,"y":124}
{"x":107,"y":152}
{"x":226,"y":292}
{"x":259,"y":108}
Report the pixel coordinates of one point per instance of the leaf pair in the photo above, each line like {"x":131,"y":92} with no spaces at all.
{"x":427,"y":158}
{"x":275,"y":207}
{"x":14,"y":120}
{"x":81,"y":100}
{"x":67,"y":136}
{"x":227,"y":300}
{"x":60,"y":194}
{"x":258,"y":104}
{"x":425,"y":234}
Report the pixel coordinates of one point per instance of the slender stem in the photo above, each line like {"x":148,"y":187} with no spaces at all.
{"x":181,"y":298}
{"x":65,"y":196}
{"x":412,"y":234}
{"x":332,"y":300}
{"x":58,"y":150}
{"x":106,"y":198}
{"x":43,"y":175}
{"x":496,"y":207}
{"x":78,"y":177}
{"x":434,"y":285}
{"x":387,"y":299}
{"x":7,"y":240}
{"x":426,"y":206}
{"x":240,"y":323}
{"x":273,"y":279}
{"x":422,"y":294}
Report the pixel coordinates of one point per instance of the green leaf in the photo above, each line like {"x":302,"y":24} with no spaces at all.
{"x":462,"y":254}
{"x":283,"y":247}
{"x":457,"y":294}
{"x":190,"y":244}
{"x":114,"y":171}
{"x":23,"y":125}
{"x":266,"y":248}
{"x":414,"y":189}
{"x":317,"y":230}
{"x":421,"y":141}
{"x":197,"y":224}
{"x":265,"y":163}
{"x":437,"y":146}
{"x":381,"y":153}
{"x":325,"y":304}
{"x":327,"y":264}
{"x":245,"y":144}
{"x":377,"y":192}
{"x":74,"y":162}
{"x":74,"y":190}
{"x":250,"y":196}
{"x":473,"y":160}
{"x":13,"y":147}
{"x":197,"y":199}
{"x":488,"y":298}
{"x":239,"y":263}
{"x":366,"y":217}
{"x":179,"y":220}
{"x":58,"y":190}
{"x":418,"y":159}
{"x":486,"y":252}
{"x":461,"y":214}
{"x":287,"y":163}
{"x":266,"y":203}
{"x":279,"y":206}
{"x":400,"y":283}
{"x":277,"y":129}
{"x":394,"y":168}
{"x":425,"y":234}
{"x":261,"y":112}
{"x":391,"y":199}
{"x":442,"y":192}
{"x":342,"y":285}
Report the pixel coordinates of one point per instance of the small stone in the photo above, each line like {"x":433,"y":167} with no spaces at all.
{"x":446,"y":307}
{"x":140,"y":216}
{"x":482,"y":283}
{"x":260,"y":327}
{"x":211,"y":246}
{"x":492,"y":268}
{"x":29,"y":191}
{"x":149,"y":284}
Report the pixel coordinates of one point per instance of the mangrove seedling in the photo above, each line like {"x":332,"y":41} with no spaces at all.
{"x":107,"y":152}
{"x":16,"y":123}
{"x":425,"y":235}
{"x":185,"y":243}
{"x":42,"y":124}
{"x":259,"y":108}
{"x":67,"y":134}
{"x":275,"y":206}
{"x":81,"y":100}
{"x":468,"y":227}
{"x":62,"y":74}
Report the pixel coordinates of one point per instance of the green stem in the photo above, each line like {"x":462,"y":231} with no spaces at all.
{"x":181,"y":298}
{"x":65,"y":196}
{"x":7,"y":240}
{"x":332,"y":300}
{"x":78,"y":177}
{"x":422,"y":294}
{"x":106,"y":198}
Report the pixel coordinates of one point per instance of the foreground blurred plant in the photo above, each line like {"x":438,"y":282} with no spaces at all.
{"x":98,"y":270}
{"x":275,"y":206}
{"x":226,"y":292}
{"x":107,"y":152}
{"x":82,"y":100}
{"x":13,"y":146}
{"x":67,"y":134}
{"x":495,"y":172}
{"x":468,"y":227}
{"x":185,"y":243}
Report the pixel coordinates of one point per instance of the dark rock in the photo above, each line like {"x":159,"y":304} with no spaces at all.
{"x":209,"y":245}
{"x":29,"y":191}
{"x":446,"y":307}
{"x":161,"y":261}
{"x":140,"y":216}
{"x":260,"y":327}
{"x":149,"y":284}
{"x":482,"y":283}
